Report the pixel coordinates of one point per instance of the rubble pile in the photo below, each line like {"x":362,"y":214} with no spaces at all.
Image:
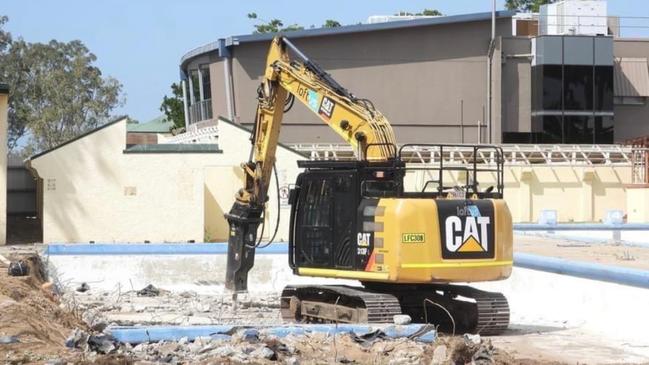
{"x":40,"y":324}
{"x":151,"y":306}
{"x":313,"y":348}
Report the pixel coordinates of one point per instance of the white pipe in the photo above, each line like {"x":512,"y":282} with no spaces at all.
{"x":201,"y":92}
{"x":489,"y":65}
{"x":192,"y":97}
{"x":183,"y":84}
{"x":227,"y":74}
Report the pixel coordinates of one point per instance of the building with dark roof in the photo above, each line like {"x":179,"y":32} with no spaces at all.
{"x":148,"y":132}
{"x":442,"y":79}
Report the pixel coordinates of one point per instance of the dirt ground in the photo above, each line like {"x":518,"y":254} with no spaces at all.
{"x":601,"y":253}
{"x":32,"y":315}
{"x":41,"y":322}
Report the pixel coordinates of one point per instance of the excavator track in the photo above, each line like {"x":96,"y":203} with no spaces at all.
{"x":337,"y":304}
{"x":492,"y":316}
{"x":465,"y":309}
{"x":472,"y":310}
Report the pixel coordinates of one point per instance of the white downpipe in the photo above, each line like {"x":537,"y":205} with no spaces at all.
{"x":183,"y":84}
{"x":228,"y":88}
{"x":489,"y":65}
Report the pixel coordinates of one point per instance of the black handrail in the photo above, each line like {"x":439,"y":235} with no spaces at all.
{"x":471,"y":172}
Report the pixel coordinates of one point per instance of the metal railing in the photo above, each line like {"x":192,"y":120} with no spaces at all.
{"x":639,"y":159}
{"x":200,"y":110}
{"x":580,"y":155}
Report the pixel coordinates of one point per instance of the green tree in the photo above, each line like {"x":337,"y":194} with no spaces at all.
{"x":56,"y":91}
{"x":329,"y":23}
{"x":425,"y":12}
{"x":276,"y":25}
{"x":272,"y":26}
{"x":173,"y":106}
{"x":526,"y":5}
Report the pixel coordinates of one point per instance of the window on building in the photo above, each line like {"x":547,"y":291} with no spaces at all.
{"x":572,"y":90}
{"x":552,"y":130}
{"x":577,"y":87}
{"x":603,"y":88}
{"x":578,"y":129}
{"x":548,"y":79}
{"x":518,"y":137}
{"x":604,"y":130}
{"x":195,"y":86}
{"x":207,"y":90}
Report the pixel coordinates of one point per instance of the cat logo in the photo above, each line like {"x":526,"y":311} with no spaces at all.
{"x":363,"y":239}
{"x":327,"y":107}
{"x":467,"y":229}
{"x":468,"y":237}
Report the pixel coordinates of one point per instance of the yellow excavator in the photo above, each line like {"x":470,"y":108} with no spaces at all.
{"x":357,"y":219}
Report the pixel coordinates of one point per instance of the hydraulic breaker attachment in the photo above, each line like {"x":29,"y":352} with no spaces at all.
{"x":243,"y":221}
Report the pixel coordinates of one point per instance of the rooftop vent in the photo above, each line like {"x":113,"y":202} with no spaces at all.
{"x":374,"y":19}
{"x":574,"y":17}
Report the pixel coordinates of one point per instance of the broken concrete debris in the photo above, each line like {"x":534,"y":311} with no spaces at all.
{"x":440,"y":355}
{"x":84,"y":287}
{"x":102,"y":343}
{"x":18,"y":268}
{"x":402,"y":319}
{"x":148,"y":291}
{"x":5,"y":340}
{"x":472,"y":339}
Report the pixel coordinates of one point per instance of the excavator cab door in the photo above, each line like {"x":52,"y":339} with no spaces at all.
{"x":323,"y":211}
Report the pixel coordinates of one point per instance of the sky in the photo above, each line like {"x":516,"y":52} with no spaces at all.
{"x":140,"y":42}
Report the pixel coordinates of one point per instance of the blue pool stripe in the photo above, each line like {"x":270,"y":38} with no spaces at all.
{"x":79,"y":249}
{"x":586,"y":270}
{"x":137,"y":334}
{"x":581,"y":227}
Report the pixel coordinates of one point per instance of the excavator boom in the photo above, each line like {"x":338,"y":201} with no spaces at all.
{"x":355,"y":120}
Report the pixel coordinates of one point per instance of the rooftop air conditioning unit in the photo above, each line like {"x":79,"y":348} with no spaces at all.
{"x":574,"y":17}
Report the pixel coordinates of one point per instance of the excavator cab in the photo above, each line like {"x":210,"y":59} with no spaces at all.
{"x":339,"y":210}
{"x":405,"y":228}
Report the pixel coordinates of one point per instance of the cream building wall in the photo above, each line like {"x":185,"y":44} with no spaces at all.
{"x":93,"y":191}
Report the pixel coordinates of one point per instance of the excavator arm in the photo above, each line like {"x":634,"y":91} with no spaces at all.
{"x":286,"y":79}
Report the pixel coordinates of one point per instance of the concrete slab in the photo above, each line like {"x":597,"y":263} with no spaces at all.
{"x":174,"y":267}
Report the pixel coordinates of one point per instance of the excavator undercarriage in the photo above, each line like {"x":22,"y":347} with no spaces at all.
{"x":454,"y":308}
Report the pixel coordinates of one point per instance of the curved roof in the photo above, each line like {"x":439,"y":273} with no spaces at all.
{"x":221,"y":45}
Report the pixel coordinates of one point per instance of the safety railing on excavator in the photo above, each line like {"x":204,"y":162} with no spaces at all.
{"x":459,"y":180}
{"x":480,"y":163}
